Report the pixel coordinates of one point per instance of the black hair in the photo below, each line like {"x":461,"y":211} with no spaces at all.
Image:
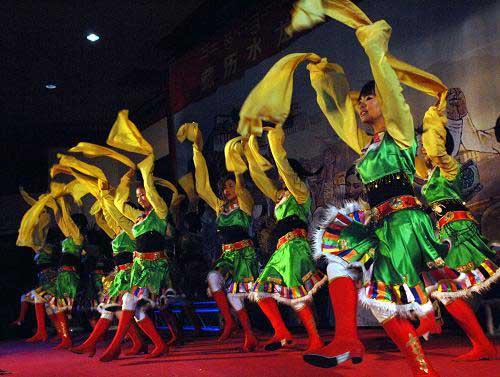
{"x":367,"y":89}
{"x":80,"y":220}
{"x":222,"y":181}
{"x":352,"y":171}
{"x":300,"y":170}
{"x":450,"y":143}
{"x":133,"y":205}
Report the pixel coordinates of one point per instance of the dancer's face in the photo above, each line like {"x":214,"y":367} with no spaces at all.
{"x":369,"y":109}
{"x":353,"y":186}
{"x":230,"y":190}
{"x":142,"y":199}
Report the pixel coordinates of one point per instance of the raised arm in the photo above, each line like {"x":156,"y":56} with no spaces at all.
{"x":398,"y":120}
{"x":245,"y":200}
{"x":107,"y":202}
{"x":257,"y":171}
{"x":122,"y":195}
{"x":191,"y":132}
{"x":293,"y":183}
{"x":434,"y":142}
{"x":159,"y":205}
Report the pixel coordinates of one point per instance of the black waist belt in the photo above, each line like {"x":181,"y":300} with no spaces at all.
{"x":68,"y":259}
{"x":231,"y":234}
{"x":441,"y":207}
{"x":150,"y":241}
{"x":123,"y":258}
{"x":388,"y":187}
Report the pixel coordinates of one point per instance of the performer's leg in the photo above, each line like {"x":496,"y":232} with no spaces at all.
{"x":403,"y":334}
{"x":147,"y":326}
{"x":138,"y":343}
{"x":428,"y":323}
{"x":306,"y":315}
{"x":216,"y":285}
{"x":23,"y":310}
{"x":282,"y":336}
{"x":482,"y":348}
{"x":62,"y":322}
{"x":102,"y":325}
{"x":344,"y":299}
{"x":237,"y":302}
{"x":41,"y":331}
{"x":129,"y":303}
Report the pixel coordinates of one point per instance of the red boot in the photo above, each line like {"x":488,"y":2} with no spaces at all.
{"x":428,"y":325}
{"x":148,"y":327}
{"x":402,"y":333}
{"x":251,"y":341}
{"x":346,"y":344}
{"x":114,"y":348}
{"x":62,"y":322}
{"x":138,"y":344}
{"x":229,"y":324}
{"x":53,"y":320}
{"x":22,"y":313}
{"x":482,"y":348}
{"x":307,"y":317}
{"x":282,"y":337}
{"x":89,"y":346}
{"x":41,"y":330}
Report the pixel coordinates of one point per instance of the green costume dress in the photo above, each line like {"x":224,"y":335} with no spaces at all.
{"x":238,"y":263}
{"x":68,"y":280}
{"x":123,"y":247}
{"x":406,"y":242}
{"x":290,"y":275}
{"x":47,"y":275}
{"x":149,"y":233}
{"x":468,"y":265}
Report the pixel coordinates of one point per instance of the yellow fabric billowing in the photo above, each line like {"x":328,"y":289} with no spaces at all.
{"x":191,"y":132}
{"x":157,"y":202}
{"x":257,"y":158}
{"x":27,"y":197}
{"x":122,"y":194}
{"x":41,"y":227}
{"x":187,"y":184}
{"x":29,"y":223}
{"x":65,"y":222}
{"x":73,"y":188}
{"x":176,"y":198}
{"x":125,"y":135}
{"x":308,"y":13}
{"x":270,"y":100}
{"x":258,"y":171}
{"x":102,"y":223}
{"x":83,"y":167}
{"x":59,"y":169}
{"x":233,"y":153}
{"x":293,"y":183}
{"x":434,"y":142}
{"x":334,"y":97}
{"x":93,"y":150}
{"x":107,"y":202}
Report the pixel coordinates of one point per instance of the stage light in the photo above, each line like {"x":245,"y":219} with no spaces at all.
{"x":50,"y":86}
{"x":93,"y":37}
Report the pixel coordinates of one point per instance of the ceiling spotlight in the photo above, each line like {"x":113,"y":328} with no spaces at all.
{"x":93,"y":37}
{"x":50,"y":86}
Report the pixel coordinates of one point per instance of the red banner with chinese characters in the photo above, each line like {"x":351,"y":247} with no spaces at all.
{"x":224,"y":57}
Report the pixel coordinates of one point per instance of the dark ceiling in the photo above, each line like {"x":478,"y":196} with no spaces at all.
{"x":44,"y":42}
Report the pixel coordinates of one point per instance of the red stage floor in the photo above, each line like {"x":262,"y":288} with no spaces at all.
{"x":204,"y":357}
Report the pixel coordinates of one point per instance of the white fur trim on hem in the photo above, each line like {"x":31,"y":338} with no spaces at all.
{"x":388,"y":309}
{"x":465,"y":293}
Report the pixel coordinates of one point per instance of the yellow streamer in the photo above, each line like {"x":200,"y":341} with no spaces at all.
{"x":125,"y":135}
{"x":93,"y":150}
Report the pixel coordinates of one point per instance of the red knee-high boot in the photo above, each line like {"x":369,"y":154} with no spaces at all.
{"x":220,"y":298}
{"x":53,"y":320}
{"x":251,"y":341}
{"x":138,"y":344}
{"x":41,"y":330}
{"x":482,"y":348}
{"x":62,"y":322}
{"x":307,"y":317}
{"x":346,"y":344}
{"x":89,"y":346}
{"x":22,"y":313}
{"x":428,"y":325}
{"x":282,"y":336}
{"x":114,"y":348}
{"x":402,"y":333}
{"x":148,"y":327}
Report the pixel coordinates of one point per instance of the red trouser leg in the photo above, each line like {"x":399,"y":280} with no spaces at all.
{"x":62,"y":321}
{"x":148,"y":327}
{"x":282,"y":336}
{"x":100,"y":328}
{"x":220,"y":298}
{"x":482,"y":348}
{"x":307,"y":317}
{"x":138,"y":344}
{"x":41,"y":330}
{"x":114,"y":348}
{"x":251,"y":341}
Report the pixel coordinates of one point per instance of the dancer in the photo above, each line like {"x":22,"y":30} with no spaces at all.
{"x":150,"y":270}
{"x":37,"y":237}
{"x":468,"y":265}
{"x":290,"y":276}
{"x":237,"y":267}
